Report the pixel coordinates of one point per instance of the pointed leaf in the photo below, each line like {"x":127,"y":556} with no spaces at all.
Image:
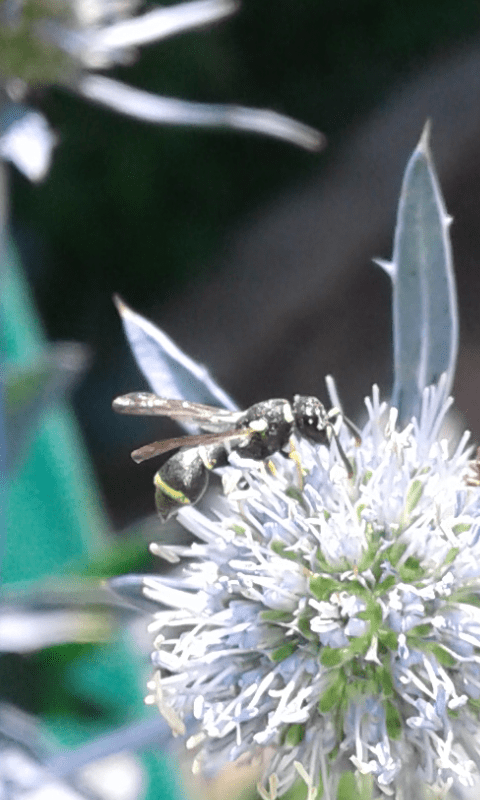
{"x":169,"y":371}
{"x":425,"y":317}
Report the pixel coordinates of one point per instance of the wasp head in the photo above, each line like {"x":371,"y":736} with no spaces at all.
{"x":311,"y":419}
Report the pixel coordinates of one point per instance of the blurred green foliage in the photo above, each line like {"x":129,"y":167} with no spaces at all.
{"x":55,"y":520}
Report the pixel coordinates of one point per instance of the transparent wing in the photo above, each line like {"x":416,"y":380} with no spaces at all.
{"x":158,"y":448}
{"x":147,"y":404}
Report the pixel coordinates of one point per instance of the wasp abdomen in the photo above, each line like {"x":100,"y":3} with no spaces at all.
{"x":183,"y":479}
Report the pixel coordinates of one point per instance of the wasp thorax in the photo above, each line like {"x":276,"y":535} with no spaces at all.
{"x":311,"y":418}
{"x":271,"y":423}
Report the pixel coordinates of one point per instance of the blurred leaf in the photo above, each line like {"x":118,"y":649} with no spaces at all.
{"x":30,"y":389}
{"x":23,"y":750}
{"x":25,"y":630}
{"x":130,"y":589}
{"x":53,"y":510}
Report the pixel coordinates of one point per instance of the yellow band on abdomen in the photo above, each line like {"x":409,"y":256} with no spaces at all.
{"x":175,"y":494}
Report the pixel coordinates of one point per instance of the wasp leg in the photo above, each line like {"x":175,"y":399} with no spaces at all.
{"x":272,"y":468}
{"x":295,"y":456}
{"x":215,"y":455}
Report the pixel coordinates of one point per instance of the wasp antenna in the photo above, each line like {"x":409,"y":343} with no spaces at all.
{"x":342,"y":454}
{"x":353,"y":430}
{"x":337,"y":412}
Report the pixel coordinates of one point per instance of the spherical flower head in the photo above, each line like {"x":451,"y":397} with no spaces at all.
{"x":327,"y":623}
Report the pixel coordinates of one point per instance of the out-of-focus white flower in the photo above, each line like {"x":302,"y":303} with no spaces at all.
{"x":28,"y":142}
{"x":101,"y":34}
{"x":26,"y":763}
{"x":44,"y":42}
{"x":333,"y":619}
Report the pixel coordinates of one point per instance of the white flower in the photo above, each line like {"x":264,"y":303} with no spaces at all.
{"x":332,"y":620}
{"x":28,"y":143}
{"x":44,"y":42}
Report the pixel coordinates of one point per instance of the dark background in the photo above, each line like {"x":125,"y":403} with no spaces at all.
{"x":214,"y":235}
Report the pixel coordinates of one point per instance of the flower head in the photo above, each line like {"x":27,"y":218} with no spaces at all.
{"x":333,"y":619}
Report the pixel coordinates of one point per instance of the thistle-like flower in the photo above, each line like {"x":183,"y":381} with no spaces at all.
{"x":65,"y":43}
{"x":331,"y":618}
{"x":327,"y":621}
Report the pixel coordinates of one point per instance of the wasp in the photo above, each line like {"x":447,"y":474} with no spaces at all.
{"x":257,"y":433}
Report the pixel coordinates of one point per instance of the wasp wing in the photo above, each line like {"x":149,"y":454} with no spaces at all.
{"x":205,"y":439}
{"x":150,"y":405}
